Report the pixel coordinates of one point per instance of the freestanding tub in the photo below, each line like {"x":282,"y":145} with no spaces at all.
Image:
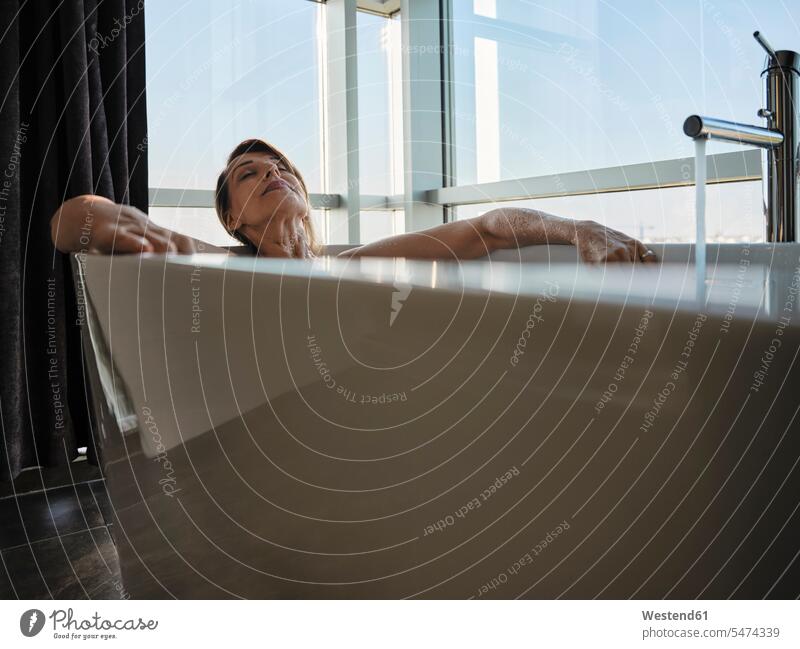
{"x":491,"y":429}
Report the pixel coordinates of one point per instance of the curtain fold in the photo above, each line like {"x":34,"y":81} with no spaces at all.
{"x":72,"y":121}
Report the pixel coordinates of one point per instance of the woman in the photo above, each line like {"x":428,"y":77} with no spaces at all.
{"x":262,"y":200}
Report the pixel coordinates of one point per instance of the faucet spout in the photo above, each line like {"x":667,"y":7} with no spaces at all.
{"x":767,"y":47}
{"x":697,"y":126}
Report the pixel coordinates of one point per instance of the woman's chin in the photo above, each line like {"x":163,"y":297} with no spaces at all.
{"x":284,"y":205}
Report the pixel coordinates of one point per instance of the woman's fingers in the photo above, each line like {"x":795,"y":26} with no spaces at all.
{"x":164,"y":240}
{"x":161,"y":242}
{"x":136,"y":239}
{"x":129,"y":242}
{"x":176,"y":242}
{"x":632,"y":247}
{"x":184,"y":244}
{"x":619,"y":252}
{"x":645,"y":254}
{"x":605,"y":245}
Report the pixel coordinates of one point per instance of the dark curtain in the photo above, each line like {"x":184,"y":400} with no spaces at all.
{"x":72,"y":121}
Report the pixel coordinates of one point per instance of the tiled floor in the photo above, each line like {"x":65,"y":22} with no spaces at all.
{"x":55,"y":542}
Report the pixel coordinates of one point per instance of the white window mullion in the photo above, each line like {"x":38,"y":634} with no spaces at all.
{"x":395,"y":77}
{"x":342,"y":120}
{"x":322,"y":89}
{"x":423,"y":132}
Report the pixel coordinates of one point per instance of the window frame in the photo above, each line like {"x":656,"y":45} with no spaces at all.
{"x":428,"y":137}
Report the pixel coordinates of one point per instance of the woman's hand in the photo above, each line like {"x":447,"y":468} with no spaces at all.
{"x":126,"y":229}
{"x":597,"y":243}
{"x":95,"y":224}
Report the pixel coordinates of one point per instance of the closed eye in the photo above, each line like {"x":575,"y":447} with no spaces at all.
{"x":282,"y":167}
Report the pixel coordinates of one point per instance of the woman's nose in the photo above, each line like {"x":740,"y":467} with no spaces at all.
{"x":271,"y":168}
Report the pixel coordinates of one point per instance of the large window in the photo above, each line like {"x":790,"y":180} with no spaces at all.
{"x":550,"y":86}
{"x":506,"y":90}
{"x":221,"y":72}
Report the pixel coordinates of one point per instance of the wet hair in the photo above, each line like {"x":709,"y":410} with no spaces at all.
{"x":222,"y":198}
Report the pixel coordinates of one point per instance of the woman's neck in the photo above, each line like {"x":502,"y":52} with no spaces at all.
{"x":280,"y":238}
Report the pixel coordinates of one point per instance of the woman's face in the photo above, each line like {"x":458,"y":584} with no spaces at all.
{"x":267,"y":203}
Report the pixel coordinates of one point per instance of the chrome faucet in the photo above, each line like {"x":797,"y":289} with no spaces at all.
{"x":779,"y":138}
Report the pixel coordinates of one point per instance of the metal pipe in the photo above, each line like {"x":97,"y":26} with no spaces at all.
{"x":780,"y":139}
{"x":697,"y":126}
{"x":781,"y":178}
{"x":767,"y":47}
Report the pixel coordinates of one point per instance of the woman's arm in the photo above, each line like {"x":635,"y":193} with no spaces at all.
{"x":515,"y":227}
{"x":92,"y":223}
{"x":508,"y":227}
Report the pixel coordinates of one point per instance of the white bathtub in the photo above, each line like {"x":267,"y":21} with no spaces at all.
{"x":385,"y":428}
